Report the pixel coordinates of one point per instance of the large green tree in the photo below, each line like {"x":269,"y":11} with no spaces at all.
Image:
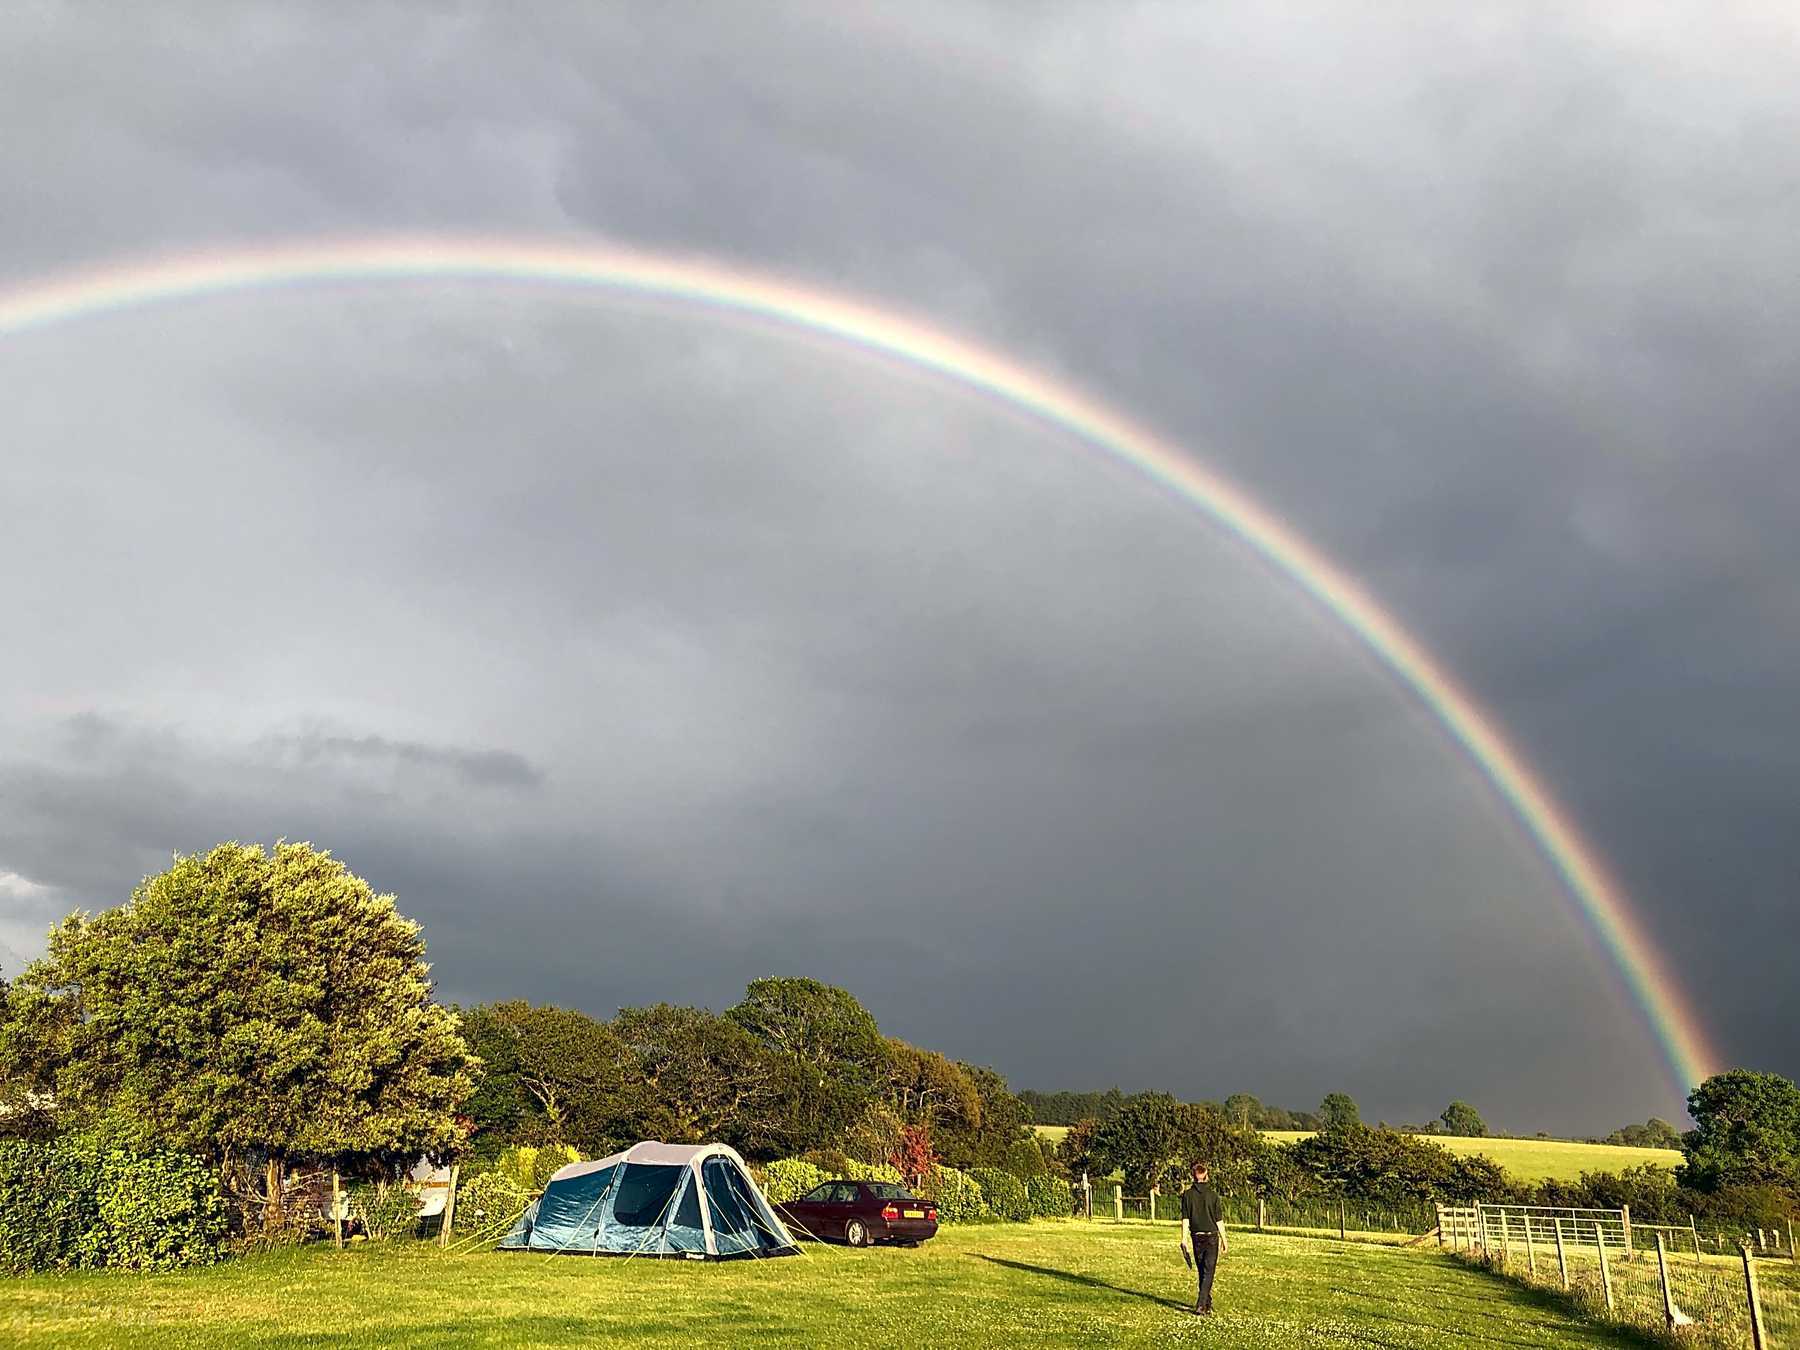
{"x":690,"y":1076}
{"x":246,"y":1000}
{"x":549,"y":1076}
{"x":1746,"y":1132}
{"x":1462,"y":1119}
{"x":836,"y":1058}
{"x":1338,"y":1111}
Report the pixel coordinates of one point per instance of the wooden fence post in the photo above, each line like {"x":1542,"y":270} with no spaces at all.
{"x":1262,"y":1212}
{"x":1440,"y":1217}
{"x":1625,"y":1218}
{"x":1756,"y":1326}
{"x":1340,"y":1218}
{"x":449,"y":1208}
{"x":1562,"y":1257}
{"x":1695,"y":1230}
{"x":1672,"y":1315}
{"x":337,"y":1208}
{"x":1791,"y":1254}
{"x":1530,"y":1249}
{"x":1505,"y":1241}
{"x":1118,"y":1202}
{"x":1605,"y":1270}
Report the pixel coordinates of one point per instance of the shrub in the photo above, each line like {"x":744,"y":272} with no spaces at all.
{"x":530,"y":1168}
{"x":1025,"y":1158}
{"x":790,"y":1178}
{"x":1050,"y":1197}
{"x":489,"y":1200}
{"x":385,"y":1209}
{"x":160,"y":1211}
{"x":1005,"y":1194}
{"x":857,"y":1171}
{"x":67,"y":1205}
{"x":957,"y":1195}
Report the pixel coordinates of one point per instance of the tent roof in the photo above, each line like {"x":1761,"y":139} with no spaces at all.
{"x":653,"y":1152}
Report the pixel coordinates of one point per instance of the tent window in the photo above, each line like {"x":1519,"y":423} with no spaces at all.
{"x":644,"y":1193}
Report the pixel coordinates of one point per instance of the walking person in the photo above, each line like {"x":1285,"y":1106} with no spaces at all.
{"x":1203,"y":1233}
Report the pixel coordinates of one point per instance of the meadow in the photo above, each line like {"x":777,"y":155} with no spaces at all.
{"x":1535,"y":1159}
{"x":1045,"y":1283}
{"x":1526,"y":1159}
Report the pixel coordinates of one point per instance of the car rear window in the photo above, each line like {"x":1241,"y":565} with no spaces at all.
{"x":887,"y":1190}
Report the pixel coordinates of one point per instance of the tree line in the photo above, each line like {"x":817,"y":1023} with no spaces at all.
{"x":268,"y":1010}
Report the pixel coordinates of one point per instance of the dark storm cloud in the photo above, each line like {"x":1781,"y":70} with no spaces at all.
{"x":558,"y":620}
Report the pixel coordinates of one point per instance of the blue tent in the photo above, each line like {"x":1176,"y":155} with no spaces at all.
{"x":684,"y":1200}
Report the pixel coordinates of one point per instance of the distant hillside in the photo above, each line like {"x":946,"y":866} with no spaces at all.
{"x":1527,"y":1159}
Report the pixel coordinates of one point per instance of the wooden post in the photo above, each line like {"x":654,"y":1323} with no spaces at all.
{"x":337,"y":1208}
{"x":1150,"y":1205}
{"x":1791,"y":1255}
{"x":449,"y":1208}
{"x":1505,"y":1241}
{"x":1530,"y":1249}
{"x":1340,"y":1218}
{"x":1672,"y":1316}
{"x":1625,"y":1218}
{"x":1262,"y":1212}
{"x":1756,"y":1326}
{"x":1440,"y":1217}
{"x":1695,"y":1230}
{"x":1605,"y":1270}
{"x":1562,"y":1256}
{"x":1118,"y":1202}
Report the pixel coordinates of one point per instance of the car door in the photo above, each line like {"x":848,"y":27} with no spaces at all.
{"x":812,"y":1212}
{"x":844,"y":1195}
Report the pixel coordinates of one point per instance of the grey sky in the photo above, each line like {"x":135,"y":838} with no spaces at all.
{"x":642,"y":653}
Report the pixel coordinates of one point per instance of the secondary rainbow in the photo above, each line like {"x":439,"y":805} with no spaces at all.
{"x":1601,"y":903}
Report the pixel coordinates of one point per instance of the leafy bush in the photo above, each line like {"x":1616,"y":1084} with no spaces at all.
{"x":790,"y":1178}
{"x":957,"y":1195}
{"x":489,"y":1199}
{"x":1005,"y":1194}
{"x":1025,"y":1158}
{"x":160,"y":1211}
{"x":1050,"y":1197}
{"x":385,"y":1209}
{"x":530,"y":1168}
{"x":857,"y":1171}
{"x":67,"y":1205}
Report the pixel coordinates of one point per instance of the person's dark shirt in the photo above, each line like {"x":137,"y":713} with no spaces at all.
{"x":1201,"y":1208}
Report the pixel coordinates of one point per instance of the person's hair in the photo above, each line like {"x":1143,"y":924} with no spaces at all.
{"x":1199,"y":1166}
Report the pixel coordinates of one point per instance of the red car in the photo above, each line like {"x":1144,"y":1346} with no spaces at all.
{"x":861,"y":1213}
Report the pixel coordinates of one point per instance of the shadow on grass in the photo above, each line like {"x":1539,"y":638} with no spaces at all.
{"x":1086,"y":1281}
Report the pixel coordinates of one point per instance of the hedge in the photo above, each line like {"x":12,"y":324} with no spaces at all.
{"x":67,"y":1205}
{"x":1050,"y":1197}
{"x":957,"y":1195}
{"x":790,"y":1178}
{"x":1005,"y":1194}
{"x":489,"y":1200}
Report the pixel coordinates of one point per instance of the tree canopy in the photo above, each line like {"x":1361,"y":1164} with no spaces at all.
{"x":245,"y":1000}
{"x":1462,"y":1119}
{"x":1746,"y":1132}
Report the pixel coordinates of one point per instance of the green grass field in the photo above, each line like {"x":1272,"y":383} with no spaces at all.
{"x":1527,"y":1159}
{"x":1535,"y":1159}
{"x":1045,"y":1283}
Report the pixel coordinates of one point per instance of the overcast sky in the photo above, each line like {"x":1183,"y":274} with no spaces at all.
{"x":642,"y":653}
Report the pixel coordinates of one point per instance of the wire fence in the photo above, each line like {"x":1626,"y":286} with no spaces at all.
{"x":1647,"y":1276}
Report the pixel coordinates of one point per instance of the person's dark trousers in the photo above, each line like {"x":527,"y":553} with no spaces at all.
{"x":1206,"y":1265}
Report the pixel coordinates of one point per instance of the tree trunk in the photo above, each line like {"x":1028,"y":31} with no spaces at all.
{"x":273,"y":1207}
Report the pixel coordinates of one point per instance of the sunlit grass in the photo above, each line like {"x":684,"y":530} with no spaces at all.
{"x":1044,"y":1283}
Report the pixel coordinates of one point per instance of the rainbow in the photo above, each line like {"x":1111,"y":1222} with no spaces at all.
{"x":1601,"y":904}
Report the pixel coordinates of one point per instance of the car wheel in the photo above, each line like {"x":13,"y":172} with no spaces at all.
{"x":856,"y":1234}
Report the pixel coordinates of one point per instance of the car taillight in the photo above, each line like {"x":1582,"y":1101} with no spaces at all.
{"x":891,"y":1213}
{"x":931,"y":1214}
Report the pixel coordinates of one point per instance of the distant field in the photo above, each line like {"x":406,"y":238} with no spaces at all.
{"x":1527,"y":1159}
{"x":1535,"y":1159}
